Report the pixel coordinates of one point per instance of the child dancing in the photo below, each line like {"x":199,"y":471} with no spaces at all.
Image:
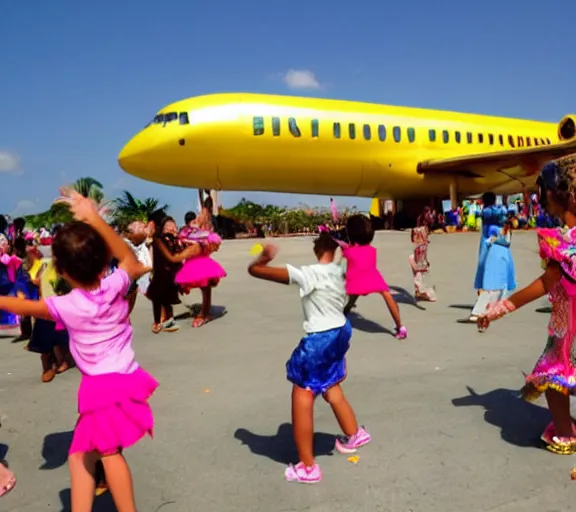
{"x":555,"y":372}
{"x":419,"y":258}
{"x":201,"y":271}
{"x":114,"y":390}
{"x":362,"y":275}
{"x":317,"y":365}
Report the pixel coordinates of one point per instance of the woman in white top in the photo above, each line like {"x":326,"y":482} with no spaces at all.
{"x":317,"y":365}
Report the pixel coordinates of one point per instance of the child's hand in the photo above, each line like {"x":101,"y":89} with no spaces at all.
{"x":269,"y":252}
{"x":483,"y":323}
{"x":83,"y":208}
{"x":495,"y":311}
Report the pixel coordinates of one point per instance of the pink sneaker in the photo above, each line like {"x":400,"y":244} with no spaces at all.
{"x":351,"y":444}
{"x":303,"y":475}
{"x":401,"y":333}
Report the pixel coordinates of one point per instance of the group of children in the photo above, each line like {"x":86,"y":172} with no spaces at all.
{"x":180,"y":261}
{"x":26,"y":274}
{"x":114,"y":391}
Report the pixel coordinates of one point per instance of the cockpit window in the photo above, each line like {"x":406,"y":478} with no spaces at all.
{"x":163,"y":119}
{"x":171,"y":116}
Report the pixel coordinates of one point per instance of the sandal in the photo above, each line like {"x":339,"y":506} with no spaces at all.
{"x":5,"y":489}
{"x":169,"y":326}
{"x":156,"y":328}
{"x":48,"y":376}
{"x":200,"y":320}
{"x":9,"y":485}
{"x":562,"y":445}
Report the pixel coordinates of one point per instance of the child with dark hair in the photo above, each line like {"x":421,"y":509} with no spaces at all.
{"x":168,"y":254}
{"x":362,"y":275}
{"x":189,"y":218}
{"x":201,"y":271}
{"x":317,"y":365}
{"x":114,"y":390}
{"x":554,"y":374}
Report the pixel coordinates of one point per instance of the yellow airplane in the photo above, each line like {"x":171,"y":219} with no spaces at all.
{"x":318,"y":146}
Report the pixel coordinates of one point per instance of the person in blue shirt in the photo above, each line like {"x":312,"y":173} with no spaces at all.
{"x":495,"y":270}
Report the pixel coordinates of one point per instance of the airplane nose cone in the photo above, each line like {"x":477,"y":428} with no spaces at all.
{"x":141,"y":156}
{"x":130,"y":153}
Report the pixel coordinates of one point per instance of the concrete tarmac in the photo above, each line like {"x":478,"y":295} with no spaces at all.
{"x":449,"y":430}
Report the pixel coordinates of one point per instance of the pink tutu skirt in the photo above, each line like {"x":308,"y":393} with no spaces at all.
{"x":365,"y":283}
{"x":114,"y":411}
{"x":200,"y":272}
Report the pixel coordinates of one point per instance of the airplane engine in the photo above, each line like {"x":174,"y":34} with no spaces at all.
{"x":567,"y":127}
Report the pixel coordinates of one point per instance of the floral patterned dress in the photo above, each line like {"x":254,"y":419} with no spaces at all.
{"x":420,"y":264}
{"x":556,"y":367}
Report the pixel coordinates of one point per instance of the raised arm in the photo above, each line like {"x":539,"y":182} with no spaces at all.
{"x":260,"y":269}
{"x":85,"y":210}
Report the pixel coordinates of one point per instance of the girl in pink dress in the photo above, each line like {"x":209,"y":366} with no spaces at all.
{"x":555,"y":371}
{"x":201,"y":271}
{"x":362,"y":275}
{"x":114,"y":391}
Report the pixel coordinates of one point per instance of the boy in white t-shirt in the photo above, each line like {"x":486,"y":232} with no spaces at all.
{"x":317,"y":365}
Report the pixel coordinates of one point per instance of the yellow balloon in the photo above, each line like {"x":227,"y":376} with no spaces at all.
{"x":256,"y":249}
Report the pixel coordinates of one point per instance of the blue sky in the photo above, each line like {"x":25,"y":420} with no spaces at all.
{"x":78,"y":79}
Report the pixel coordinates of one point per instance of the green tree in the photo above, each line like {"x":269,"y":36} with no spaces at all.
{"x":128,"y":208}
{"x":90,"y":187}
{"x":60,"y":213}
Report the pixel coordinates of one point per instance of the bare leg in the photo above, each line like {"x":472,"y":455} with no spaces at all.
{"x":559,"y":406}
{"x":351,"y":303}
{"x":393,"y":308}
{"x":82,"y":468}
{"x":119,"y":481}
{"x":342,"y":410}
{"x":206,"y":301}
{"x":303,"y":424}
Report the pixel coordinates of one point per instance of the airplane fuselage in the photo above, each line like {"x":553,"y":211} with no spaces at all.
{"x":315,"y":146}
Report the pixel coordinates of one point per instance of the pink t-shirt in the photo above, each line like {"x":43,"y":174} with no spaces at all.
{"x":98,"y":325}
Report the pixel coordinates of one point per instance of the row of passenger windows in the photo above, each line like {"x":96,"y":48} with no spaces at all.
{"x":445,"y":135}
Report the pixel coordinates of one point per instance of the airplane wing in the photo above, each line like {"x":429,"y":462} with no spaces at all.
{"x":515,"y":163}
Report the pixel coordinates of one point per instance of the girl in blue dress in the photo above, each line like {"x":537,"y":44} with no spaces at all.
{"x":495,"y":272}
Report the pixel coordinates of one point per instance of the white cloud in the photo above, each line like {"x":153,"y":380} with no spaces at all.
{"x":301,"y":79}
{"x":9,"y":162}
{"x":25,"y":207}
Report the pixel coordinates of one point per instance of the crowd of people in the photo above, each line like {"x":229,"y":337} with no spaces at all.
{"x":82,"y":297}
{"x":522,"y":213}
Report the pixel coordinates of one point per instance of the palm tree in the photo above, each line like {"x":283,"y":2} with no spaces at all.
{"x":129,"y":208}
{"x":89,"y":187}
{"x":92,"y":188}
